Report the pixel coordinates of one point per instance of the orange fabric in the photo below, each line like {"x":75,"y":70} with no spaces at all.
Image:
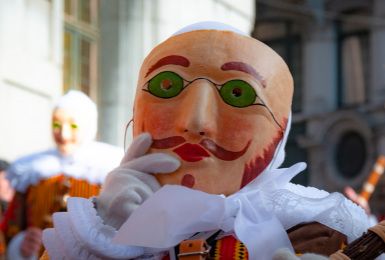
{"x":45,"y":256}
{"x":35,"y":207}
{"x":47,"y":197}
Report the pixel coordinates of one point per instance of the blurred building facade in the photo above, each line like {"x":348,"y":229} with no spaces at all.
{"x":335,"y":50}
{"x":97,"y":46}
{"x":30,"y":73}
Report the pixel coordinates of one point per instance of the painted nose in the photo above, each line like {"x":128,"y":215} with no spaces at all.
{"x":199,"y":109}
{"x":65,"y":132}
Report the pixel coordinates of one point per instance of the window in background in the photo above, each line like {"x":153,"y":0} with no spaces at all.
{"x":283,"y":36}
{"x":350,"y":154}
{"x":353,"y":64}
{"x":81,"y":36}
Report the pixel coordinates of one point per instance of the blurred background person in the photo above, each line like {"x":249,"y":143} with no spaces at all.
{"x":43,"y":181}
{"x":6,"y":191}
{"x":6,"y":194}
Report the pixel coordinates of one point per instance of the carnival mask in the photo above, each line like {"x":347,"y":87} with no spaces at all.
{"x":217,"y":100}
{"x":74,"y":120}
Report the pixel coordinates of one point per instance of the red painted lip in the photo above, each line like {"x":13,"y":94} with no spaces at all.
{"x":191,"y":152}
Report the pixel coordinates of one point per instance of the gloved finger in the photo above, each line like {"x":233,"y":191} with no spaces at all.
{"x":153,"y":163}
{"x":149,"y":179}
{"x":123,"y":179}
{"x":138,"y":147}
{"x":121,"y":207}
{"x":121,"y":176}
{"x":126,"y":193}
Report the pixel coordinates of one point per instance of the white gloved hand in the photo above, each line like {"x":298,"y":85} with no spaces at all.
{"x":129,"y":185}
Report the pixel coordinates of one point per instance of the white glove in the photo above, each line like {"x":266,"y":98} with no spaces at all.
{"x":129,"y":185}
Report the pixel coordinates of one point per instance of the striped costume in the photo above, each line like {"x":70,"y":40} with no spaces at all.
{"x":43,"y":181}
{"x":228,"y":248}
{"x":35,"y":207}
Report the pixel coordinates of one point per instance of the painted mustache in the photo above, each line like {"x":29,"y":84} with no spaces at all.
{"x":195,"y":152}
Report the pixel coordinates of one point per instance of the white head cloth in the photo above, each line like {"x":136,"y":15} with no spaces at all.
{"x":84,"y":111}
{"x":209,"y":25}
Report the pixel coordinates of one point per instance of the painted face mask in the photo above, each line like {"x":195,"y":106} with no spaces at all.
{"x":74,"y":120}
{"x":217,"y":100}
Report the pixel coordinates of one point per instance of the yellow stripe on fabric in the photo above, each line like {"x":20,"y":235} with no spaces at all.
{"x":217,"y":250}
{"x":44,"y":198}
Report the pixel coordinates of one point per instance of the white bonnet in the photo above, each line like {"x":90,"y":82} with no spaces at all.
{"x":209,"y":25}
{"x":83,"y":110}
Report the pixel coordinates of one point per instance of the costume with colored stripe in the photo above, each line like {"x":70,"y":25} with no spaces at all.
{"x":44,"y":180}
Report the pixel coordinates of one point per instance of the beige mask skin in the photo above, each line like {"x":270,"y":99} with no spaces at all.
{"x":65,"y":130}
{"x":219,"y":102}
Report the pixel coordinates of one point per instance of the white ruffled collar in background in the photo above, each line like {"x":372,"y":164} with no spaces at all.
{"x":91,"y":162}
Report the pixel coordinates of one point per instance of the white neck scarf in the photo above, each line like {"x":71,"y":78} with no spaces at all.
{"x":259,"y":216}
{"x":175,"y":213}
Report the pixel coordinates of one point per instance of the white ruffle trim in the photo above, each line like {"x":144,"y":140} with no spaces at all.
{"x":81,"y":234}
{"x":297,"y":204}
{"x":91,"y":162}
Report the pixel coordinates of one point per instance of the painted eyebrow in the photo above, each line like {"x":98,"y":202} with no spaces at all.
{"x":171,"y":59}
{"x":244,"y":67}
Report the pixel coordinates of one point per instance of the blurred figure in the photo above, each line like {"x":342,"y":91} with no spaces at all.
{"x":6,"y":191}
{"x":43,"y":181}
{"x":6,"y":194}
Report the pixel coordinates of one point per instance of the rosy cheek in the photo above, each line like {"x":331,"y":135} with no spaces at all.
{"x":159,"y":122}
{"x":234,"y":132}
{"x":56,"y":134}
